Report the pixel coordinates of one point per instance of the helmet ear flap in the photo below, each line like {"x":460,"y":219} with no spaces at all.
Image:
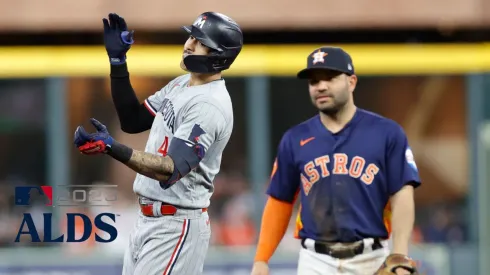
{"x":222,"y":60}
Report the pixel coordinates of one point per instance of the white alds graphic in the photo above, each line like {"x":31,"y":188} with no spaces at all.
{"x":200,"y":22}
{"x":410,"y":158}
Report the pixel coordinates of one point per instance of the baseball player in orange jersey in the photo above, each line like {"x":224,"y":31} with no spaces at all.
{"x":355,"y":175}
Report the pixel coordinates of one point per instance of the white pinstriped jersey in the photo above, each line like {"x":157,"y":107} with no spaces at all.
{"x":177,"y":108}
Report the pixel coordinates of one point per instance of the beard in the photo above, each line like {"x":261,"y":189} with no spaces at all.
{"x":332,"y":108}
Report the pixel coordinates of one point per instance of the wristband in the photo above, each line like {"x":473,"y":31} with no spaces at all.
{"x":120,"y":152}
{"x":117,"y":60}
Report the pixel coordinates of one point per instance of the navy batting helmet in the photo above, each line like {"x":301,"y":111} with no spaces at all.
{"x":219,"y":33}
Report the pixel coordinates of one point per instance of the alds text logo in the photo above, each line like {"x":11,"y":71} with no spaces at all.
{"x":76,"y":223}
{"x":71,"y":222}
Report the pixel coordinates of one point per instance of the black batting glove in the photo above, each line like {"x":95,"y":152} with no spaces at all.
{"x":117,"y":38}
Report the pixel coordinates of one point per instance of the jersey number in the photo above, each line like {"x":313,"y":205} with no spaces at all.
{"x":164,"y":147}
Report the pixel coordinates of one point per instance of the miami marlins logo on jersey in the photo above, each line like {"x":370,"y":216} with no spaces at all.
{"x":358,"y":168}
{"x":168,"y":114}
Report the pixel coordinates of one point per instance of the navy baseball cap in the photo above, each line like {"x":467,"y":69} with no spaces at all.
{"x":328,"y":58}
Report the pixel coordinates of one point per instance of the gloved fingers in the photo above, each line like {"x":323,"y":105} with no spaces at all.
{"x":113,"y":20}
{"x":130,"y":36}
{"x":106,"y":24}
{"x":122,"y":24}
{"x":81,"y":136}
{"x":82,"y":133}
{"x":99,"y":126}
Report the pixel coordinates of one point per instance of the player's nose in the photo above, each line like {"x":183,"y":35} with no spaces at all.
{"x":324,"y":84}
{"x":322,"y":87}
{"x":187,"y":48}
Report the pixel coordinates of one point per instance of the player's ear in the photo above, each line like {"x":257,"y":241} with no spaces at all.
{"x":352,"y":80}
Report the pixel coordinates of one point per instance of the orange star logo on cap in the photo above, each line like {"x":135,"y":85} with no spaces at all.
{"x":319,"y":57}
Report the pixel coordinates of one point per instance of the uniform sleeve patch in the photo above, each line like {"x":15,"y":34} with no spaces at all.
{"x":410,"y":159}
{"x":196,"y":132}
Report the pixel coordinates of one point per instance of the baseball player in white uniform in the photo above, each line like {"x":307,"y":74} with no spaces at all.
{"x":191,"y":121}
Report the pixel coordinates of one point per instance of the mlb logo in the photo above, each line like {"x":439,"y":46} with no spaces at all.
{"x":24,"y":195}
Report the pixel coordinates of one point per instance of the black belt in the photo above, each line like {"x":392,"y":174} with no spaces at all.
{"x":346,"y":252}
